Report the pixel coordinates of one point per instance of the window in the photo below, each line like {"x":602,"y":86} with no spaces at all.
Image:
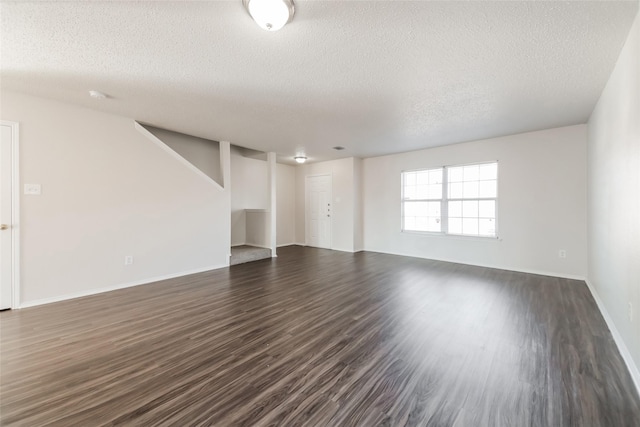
{"x":451,"y":200}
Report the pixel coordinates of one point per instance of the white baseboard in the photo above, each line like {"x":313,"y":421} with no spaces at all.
{"x":331,"y":249}
{"x":288,"y":244}
{"x":497,"y":267}
{"x":116,"y":287}
{"x":257,"y":246}
{"x":349,"y":251}
{"x":622,"y":347}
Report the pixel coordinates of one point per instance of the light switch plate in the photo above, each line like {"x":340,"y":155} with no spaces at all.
{"x":33,"y":189}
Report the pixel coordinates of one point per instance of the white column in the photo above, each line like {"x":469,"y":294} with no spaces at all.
{"x":225,"y":166}
{"x":271,"y":167}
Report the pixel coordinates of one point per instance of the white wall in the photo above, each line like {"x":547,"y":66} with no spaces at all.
{"x":107,"y":192}
{"x":614,"y":195}
{"x":249,"y":190}
{"x":257,"y":228}
{"x":286,"y":204}
{"x":344,"y":197}
{"x":541,"y":205}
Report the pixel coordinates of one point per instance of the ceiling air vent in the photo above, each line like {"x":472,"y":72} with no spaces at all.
{"x":338,"y":148}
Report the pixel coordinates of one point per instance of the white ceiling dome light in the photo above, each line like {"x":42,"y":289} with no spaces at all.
{"x":300,"y":159}
{"x":270,"y":15}
{"x":97,"y":94}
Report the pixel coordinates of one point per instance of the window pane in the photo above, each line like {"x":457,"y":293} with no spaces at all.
{"x":455,"y":209}
{"x":433,"y":209}
{"x":455,"y":225}
{"x":409,"y":178}
{"x":409,"y":192}
{"x":410,"y":209}
{"x":455,"y":190}
{"x":422,"y":177}
{"x":422,"y":191}
{"x":434,"y":225}
{"x":467,"y":213}
{"x":455,"y":174}
{"x":435,"y":191}
{"x":409,"y":223}
{"x":471,"y":173}
{"x":489,"y":171}
{"x":487,"y":227}
{"x":421,"y":223}
{"x":422,"y":216}
{"x":470,"y":226}
{"x":487,"y":209}
{"x":470,"y":209}
{"x":421,"y":208}
{"x":470,"y":190}
{"x":415,"y":209}
{"x":435,"y":176}
{"x":488,"y":188}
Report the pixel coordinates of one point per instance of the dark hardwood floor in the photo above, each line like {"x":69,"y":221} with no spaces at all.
{"x":320,"y":338}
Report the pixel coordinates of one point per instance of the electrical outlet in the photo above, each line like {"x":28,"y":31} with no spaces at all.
{"x":562,"y":253}
{"x":33,"y":189}
{"x":128,"y":260}
{"x":630,"y":312}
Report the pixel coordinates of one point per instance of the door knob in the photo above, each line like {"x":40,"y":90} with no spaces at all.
{"x":3,"y":226}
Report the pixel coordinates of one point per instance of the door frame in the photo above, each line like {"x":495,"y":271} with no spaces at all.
{"x":306,"y":208}
{"x":15,"y":212}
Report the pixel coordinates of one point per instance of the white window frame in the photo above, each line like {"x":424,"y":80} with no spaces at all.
{"x":444,"y":201}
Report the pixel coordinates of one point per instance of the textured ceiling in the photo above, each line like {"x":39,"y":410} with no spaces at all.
{"x":376,"y":77}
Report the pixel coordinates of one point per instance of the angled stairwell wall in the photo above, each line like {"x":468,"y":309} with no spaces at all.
{"x":203,"y":154}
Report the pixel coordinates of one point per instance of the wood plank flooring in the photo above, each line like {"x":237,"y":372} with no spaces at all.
{"x":320,"y":338}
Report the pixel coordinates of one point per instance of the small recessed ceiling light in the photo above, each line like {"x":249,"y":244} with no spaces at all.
{"x":300,"y":159}
{"x":97,"y":95}
{"x":270,"y":15}
{"x":337,"y":147}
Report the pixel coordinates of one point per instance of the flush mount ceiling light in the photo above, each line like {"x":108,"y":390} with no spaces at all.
{"x":97,"y":94}
{"x":300,"y":159}
{"x":270,"y":15}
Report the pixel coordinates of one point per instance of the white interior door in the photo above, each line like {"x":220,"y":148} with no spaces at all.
{"x":6,"y":212}
{"x":319,"y":211}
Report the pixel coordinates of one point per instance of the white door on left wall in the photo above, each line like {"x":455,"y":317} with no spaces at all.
{"x":6,"y":220}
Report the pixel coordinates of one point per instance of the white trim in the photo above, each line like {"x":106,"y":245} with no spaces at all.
{"x":120,"y":286}
{"x":140,"y":128}
{"x":622,"y":347}
{"x":15,"y":205}
{"x":15,"y":212}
